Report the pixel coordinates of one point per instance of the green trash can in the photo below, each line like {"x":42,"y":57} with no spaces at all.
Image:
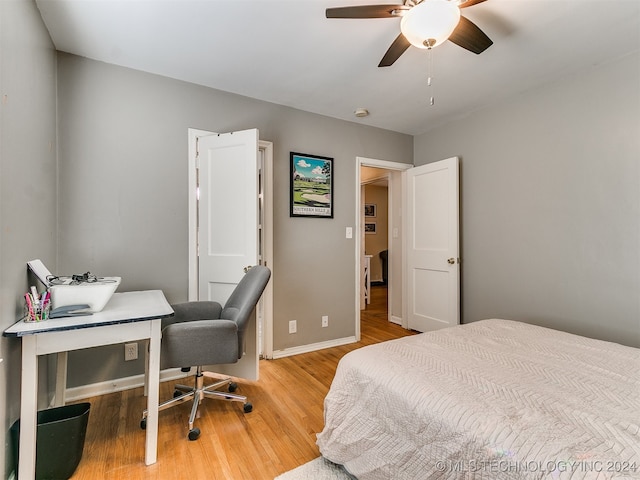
{"x":60,"y":440}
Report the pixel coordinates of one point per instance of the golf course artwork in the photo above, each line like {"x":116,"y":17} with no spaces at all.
{"x":311,"y":186}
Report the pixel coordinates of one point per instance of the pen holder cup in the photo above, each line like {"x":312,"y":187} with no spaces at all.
{"x":36,"y":313}
{"x":60,"y":439}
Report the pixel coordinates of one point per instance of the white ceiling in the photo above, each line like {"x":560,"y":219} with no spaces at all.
{"x":287,"y":52}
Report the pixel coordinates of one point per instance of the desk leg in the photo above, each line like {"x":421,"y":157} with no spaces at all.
{"x":153,"y":388}
{"x":28,"y":409}
{"x":61,"y":379}
{"x":146,"y":368}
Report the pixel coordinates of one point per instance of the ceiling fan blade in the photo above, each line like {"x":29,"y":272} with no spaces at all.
{"x":397,"y":48}
{"x":470,"y":3}
{"x":365,"y":11}
{"x":467,"y":35}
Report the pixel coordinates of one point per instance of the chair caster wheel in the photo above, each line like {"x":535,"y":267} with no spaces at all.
{"x":143,"y":424}
{"x":194,"y":434}
{"x":248,"y":407}
{"x":233,"y":386}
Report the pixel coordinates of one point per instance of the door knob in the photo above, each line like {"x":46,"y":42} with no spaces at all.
{"x":247,"y":268}
{"x":451,"y":261}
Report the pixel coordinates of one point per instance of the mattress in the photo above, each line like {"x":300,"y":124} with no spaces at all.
{"x":494,"y":399}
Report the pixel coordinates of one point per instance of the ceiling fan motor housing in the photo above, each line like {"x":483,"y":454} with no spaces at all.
{"x":430,"y":23}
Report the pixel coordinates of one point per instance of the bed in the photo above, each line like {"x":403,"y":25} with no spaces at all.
{"x":494,"y":399}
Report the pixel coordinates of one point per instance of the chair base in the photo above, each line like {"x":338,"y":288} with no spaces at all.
{"x":198,"y":393}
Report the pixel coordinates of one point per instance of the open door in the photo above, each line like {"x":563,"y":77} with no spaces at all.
{"x":228,"y":225}
{"x":433,"y":263}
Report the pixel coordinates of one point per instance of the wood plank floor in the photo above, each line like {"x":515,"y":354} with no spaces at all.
{"x":278,"y":435}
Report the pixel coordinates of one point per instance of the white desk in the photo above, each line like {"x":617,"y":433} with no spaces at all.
{"x":127,"y":317}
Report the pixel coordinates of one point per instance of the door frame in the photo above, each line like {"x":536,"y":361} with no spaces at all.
{"x":266,"y":148}
{"x":387,"y":165}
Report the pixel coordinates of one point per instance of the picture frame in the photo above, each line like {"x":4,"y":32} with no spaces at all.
{"x":370,"y":210}
{"x":311,"y":191}
{"x":370,"y":228}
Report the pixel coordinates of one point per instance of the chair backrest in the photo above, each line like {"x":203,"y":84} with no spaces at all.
{"x":244,"y":299}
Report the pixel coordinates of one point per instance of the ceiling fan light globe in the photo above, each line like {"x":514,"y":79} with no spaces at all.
{"x":430,"y":22}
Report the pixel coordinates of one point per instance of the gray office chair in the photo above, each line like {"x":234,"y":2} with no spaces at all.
{"x":205,"y":333}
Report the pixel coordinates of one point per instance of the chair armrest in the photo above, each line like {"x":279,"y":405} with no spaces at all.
{"x":190,"y":311}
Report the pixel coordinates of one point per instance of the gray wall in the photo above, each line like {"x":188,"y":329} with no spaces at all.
{"x":123,"y":196}
{"x":27,"y":182}
{"x":550,"y":186}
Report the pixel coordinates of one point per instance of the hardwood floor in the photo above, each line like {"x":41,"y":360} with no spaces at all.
{"x":278,"y":435}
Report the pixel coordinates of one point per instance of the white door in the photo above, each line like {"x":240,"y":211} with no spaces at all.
{"x":433,"y":265}
{"x":228,"y":211}
{"x":228,"y":225}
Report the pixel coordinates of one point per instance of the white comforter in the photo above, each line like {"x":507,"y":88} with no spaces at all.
{"x":494,"y":400}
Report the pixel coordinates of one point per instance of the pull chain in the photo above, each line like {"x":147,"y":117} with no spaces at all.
{"x":430,"y":75}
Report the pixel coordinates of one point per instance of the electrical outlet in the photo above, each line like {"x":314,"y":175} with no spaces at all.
{"x":325,"y":320}
{"x":130,"y":351}
{"x":293,"y":326}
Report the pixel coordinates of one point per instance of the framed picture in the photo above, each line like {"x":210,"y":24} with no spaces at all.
{"x":370,"y":227}
{"x":311,"y":186}
{"x":369,"y":209}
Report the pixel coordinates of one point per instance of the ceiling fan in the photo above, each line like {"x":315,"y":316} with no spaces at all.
{"x":424,"y":24}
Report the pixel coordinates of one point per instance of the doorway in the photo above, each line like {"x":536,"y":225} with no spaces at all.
{"x":384,"y":174}
{"x":423,"y":245}
{"x":376,"y":197}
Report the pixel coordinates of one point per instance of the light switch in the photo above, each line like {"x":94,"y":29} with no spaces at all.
{"x":349,"y":232}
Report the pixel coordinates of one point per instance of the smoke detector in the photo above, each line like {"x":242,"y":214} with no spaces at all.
{"x":361,"y":112}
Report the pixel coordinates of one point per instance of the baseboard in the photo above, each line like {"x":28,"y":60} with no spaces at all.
{"x":118,"y":385}
{"x":126,"y":383}
{"x":313,"y":347}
